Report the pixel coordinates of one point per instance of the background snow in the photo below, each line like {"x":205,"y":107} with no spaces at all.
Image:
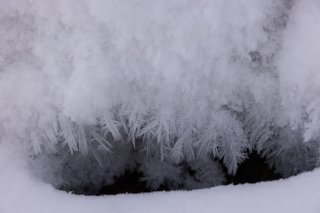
{"x":176,"y":73}
{"x":299,"y":68}
{"x":187,"y":78}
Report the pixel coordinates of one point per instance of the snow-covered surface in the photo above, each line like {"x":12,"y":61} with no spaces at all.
{"x":21,"y":192}
{"x":169,"y":70}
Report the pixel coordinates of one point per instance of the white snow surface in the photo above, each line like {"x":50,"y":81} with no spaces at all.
{"x":23,"y":193}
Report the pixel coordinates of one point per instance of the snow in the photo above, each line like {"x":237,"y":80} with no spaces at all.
{"x":203,"y":77}
{"x":23,"y":193}
{"x":299,"y":68}
{"x":209,"y":77}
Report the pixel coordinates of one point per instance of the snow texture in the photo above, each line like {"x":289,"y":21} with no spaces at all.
{"x":179,"y":80}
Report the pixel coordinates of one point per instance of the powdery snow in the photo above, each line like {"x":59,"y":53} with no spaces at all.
{"x":21,"y":192}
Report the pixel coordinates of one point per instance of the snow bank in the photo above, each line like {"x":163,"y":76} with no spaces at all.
{"x":181,"y":79}
{"x":21,"y":192}
{"x":189,"y":78}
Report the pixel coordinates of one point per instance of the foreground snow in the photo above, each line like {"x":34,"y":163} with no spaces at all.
{"x":21,"y":192}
